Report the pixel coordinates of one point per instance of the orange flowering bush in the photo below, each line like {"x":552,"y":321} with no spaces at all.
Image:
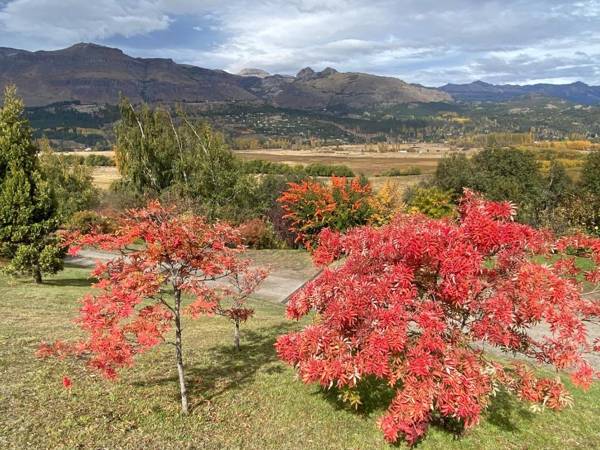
{"x":310,"y":207}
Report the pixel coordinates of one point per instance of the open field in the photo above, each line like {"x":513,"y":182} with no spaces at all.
{"x":104,"y":176}
{"x":366,"y":160}
{"x":369,"y":165}
{"x":239,"y":400}
{"x":360,"y":161}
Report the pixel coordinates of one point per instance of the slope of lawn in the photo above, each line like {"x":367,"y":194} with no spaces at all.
{"x":239,"y":400}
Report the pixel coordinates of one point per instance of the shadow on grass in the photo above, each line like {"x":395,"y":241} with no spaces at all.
{"x":229,"y":368}
{"x":505,"y":411}
{"x":70,"y":282}
{"x":374,"y":395}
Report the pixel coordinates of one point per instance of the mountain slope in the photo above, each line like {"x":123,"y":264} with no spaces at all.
{"x":91,"y":73}
{"x":94,"y":74}
{"x":479,"y":91}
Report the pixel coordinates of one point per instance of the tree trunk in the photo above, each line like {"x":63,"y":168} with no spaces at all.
{"x":37,"y":274}
{"x":236,"y":335}
{"x":178,"y":351}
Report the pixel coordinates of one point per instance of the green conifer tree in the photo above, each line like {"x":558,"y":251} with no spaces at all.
{"x":27,"y":205}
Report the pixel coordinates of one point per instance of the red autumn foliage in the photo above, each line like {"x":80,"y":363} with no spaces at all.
{"x":258,"y":234}
{"x":67,"y":383}
{"x":410,"y":303}
{"x":310,"y":207}
{"x":160,"y":258}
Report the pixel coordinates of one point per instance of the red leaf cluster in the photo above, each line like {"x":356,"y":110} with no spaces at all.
{"x":411,"y":302}
{"x":160,"y":256}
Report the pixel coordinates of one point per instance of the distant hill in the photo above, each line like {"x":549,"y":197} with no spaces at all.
{"x":91,"y":73}
{"x":330,"y":89}
{"x":479,"y":91}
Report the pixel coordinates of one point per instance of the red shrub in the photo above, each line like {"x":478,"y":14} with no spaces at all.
{"x":259,"y":234}
{"x":409,"y":301}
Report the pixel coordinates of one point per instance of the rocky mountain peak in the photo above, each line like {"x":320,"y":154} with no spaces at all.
{"x":306,"y":74}
{"x":328,"y":71}
{"x":91,"y":73}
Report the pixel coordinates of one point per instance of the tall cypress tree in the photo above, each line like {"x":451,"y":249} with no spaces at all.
{"x":27,"y":206}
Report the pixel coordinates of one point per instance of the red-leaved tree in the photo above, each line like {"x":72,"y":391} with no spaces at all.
{"x":162,"y":258}
{"x":410,"y":304}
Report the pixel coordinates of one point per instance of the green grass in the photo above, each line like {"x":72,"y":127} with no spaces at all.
{"x":239,"y":400}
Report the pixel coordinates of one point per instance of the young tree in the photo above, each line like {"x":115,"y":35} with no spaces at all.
{"x":411,"y":300}
{"x":70,"y":180}
{"x":143,"y":290}
{"x":27,"y":204}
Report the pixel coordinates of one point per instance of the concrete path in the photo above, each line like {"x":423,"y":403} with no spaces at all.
{"x":282,"y":281}
{"x":290,"y":270}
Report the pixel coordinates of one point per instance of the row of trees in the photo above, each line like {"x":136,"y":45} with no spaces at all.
{"x":551,"y":199}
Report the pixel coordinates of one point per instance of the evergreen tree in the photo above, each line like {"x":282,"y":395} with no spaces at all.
{"x":590,"y":174}
{"x":27,"y":205}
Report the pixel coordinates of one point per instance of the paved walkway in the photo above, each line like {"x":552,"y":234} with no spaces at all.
{"x":292,"y":269}
{"x":277,"y":287}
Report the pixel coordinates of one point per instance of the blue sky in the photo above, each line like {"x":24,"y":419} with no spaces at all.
{"x":426,"y":41}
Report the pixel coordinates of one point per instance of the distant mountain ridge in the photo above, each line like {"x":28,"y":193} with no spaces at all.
{"x":577,"y":92}
{"x":91,"y":73}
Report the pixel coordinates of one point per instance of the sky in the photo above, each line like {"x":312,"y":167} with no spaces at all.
{"x":431,"y":42}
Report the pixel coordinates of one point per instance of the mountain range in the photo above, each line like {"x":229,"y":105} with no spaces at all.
{"x":479,"y":91}
{"x":91,"y":73}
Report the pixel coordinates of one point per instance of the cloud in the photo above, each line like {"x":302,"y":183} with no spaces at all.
{"x":425,"y":41}
{"x":67,"y":21}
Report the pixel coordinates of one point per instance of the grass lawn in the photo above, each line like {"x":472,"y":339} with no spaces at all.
{"x":239,"y":400}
